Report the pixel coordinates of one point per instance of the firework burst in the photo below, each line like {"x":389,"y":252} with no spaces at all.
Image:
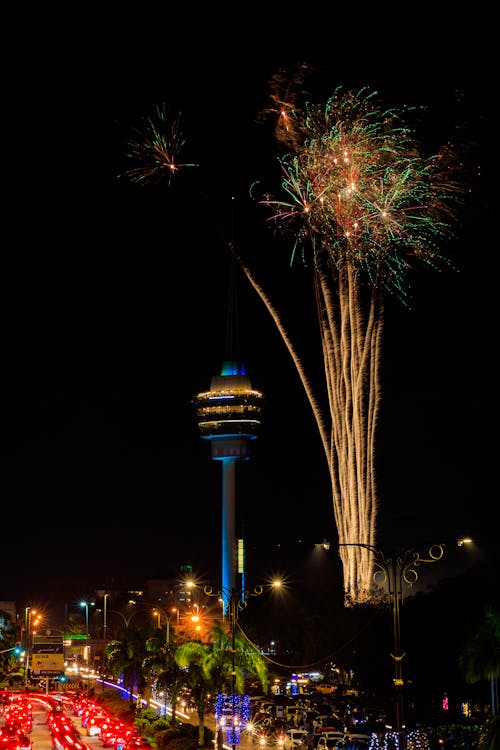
{"x":155,"y":148}
{"x":359,"y":191}
{"x":284,"y":94}
{"x":362,"y":205}
{"x":362,"y":202}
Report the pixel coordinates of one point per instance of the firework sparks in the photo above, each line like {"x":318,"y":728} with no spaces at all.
{"x":364,"y":204}
{"x":361,"y":198}
{"x":284,"y":95}
{"x":359,"y":191}
{"x":155,"y":148}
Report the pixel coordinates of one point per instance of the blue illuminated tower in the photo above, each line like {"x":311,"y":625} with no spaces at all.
{"x":229,"y":415}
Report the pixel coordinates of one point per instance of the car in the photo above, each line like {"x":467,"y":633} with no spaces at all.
{"x":291,"y":712}
{"x":114,"y":731}
{"x":330,"y":743}
{"x":294,"y":738}
{"x":331,"y":734}
{"x":324,"y":722}
{"x":267,"y":736}
{"x":14,"y":739}
{"x":325,"y":688}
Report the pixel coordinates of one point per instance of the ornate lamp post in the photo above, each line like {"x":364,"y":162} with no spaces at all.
{"x":232,"y":711}
{"x":393,"y":571}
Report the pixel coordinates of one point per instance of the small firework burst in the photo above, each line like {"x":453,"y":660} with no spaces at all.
{"x":284,"y":96}
{"x":155,"y":148}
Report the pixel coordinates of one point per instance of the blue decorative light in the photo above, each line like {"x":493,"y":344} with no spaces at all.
{"x":230,"y":367}
{"x":416,"y":739}
{"x":232,"y":714}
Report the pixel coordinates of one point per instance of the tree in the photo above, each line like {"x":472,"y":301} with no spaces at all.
{"x":8,"y":657}
{"x":247,"y":660}
{"x":162,"y":667}
{"x":489,"y":738}
{"x":221,"y":666}
{"x":127,"y":655}
{"x":193,"y":658}
{"x":480,"y":657}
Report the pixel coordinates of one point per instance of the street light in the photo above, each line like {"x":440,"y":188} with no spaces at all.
{"x":87,"y":655}
{"x":30,"y":632}
{"x":232,"y":711}
{"x":12,"y":648}
{"x":28,"y":614}
{"x":394,"y":570}
{"x":104,"y":636}
{"x":105,"y":619}
{"x":125,"y":619}
{"x":159,"y":611}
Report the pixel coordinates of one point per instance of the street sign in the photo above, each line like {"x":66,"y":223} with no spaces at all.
{"x":47,"y":655}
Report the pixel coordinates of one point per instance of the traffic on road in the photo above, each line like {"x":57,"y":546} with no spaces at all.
{"x":62,"y":722}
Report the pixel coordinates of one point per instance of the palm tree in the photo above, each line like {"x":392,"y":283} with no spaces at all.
{"x":221,"y":666}
{"x":489,"y":738}
{"x":480,"y":657}
{"x":192,"y":657}
{"x":126,"y":656}
{"x":161,"y":666}
{"x":8,"y":660}
{"x":230,"y":675}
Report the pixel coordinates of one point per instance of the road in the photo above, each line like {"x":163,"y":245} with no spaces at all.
{"x":40,"y":735}
{"x":42,"y":740}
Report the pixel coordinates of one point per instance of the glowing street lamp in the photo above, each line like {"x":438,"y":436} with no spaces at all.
{"x":157,"y":614}
{"x":28,"y":615}
{"x":232,"y":711}
{"x":175,"y":611}
{"x":195,"y":619}
{"x":87,"y":647}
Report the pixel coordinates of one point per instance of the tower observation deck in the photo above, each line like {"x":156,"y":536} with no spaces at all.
{"x":229,"y":416}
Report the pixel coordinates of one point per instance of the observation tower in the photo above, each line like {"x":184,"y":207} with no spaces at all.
{"x":229,"y":416}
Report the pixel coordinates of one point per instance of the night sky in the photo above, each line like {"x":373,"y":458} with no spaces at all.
{"x":114,"y":302}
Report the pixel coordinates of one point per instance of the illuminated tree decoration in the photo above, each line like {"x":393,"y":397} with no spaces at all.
{"x":415,"y":739}
{"x":362,"y":204}
{"x":232,"y":714}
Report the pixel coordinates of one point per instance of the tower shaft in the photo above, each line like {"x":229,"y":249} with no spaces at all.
{"x":229,"y":415}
